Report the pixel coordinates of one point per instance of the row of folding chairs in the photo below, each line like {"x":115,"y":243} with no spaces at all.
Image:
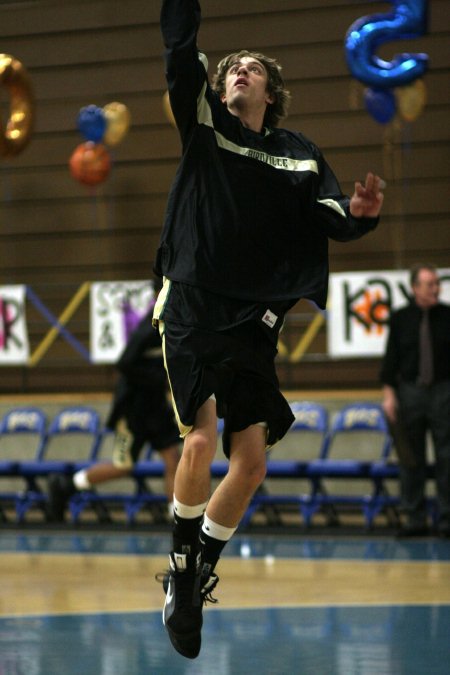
{"x":32,"y":448}
{"x":75,"y":438}
{"x":355,"y":451}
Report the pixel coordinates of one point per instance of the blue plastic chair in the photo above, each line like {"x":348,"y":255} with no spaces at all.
{"x":132,"y":498}
{"x":368,"y":421}
{"x":311,"y":419}
{"x":22,"y":434}
{"x":72,"y":440}
{"x":70,"y":444}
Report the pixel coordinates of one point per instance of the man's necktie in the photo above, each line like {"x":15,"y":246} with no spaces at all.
{"x":425,"y":351}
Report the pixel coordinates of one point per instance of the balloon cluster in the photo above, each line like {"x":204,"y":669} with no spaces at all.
{"x":392,"y":84}
{"x":19,"y":126}
{"x":90,"y":162}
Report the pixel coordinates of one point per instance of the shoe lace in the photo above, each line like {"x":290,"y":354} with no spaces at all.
{"x":208,"y":585}
{"x":209,"y":598}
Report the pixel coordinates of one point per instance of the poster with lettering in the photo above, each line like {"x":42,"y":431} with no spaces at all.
{"x":116,"y":307}
{"x":359,"y":307}
{"x":14,"y":346}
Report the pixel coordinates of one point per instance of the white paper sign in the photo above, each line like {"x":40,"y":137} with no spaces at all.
{"x":359,"y":309}
{"x":14,"y":346}
{"x":116,"y":308}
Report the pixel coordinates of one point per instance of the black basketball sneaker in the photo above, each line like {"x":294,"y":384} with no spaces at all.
{"x":187,"y":589}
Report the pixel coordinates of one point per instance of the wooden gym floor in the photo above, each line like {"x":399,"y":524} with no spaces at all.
{"x":88,"y":603}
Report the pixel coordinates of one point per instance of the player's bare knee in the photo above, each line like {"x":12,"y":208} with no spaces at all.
{"x":257,"y":474}
{"x":197,"y":450}
{"x":250,"y":473}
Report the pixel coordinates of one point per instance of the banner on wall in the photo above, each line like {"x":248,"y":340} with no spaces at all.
{"x":359,"y":308}
{"x":116,"y":307}
{"x":14,"y":346}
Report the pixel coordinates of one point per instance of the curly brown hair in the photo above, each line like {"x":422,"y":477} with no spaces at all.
{"x":275,"y":111}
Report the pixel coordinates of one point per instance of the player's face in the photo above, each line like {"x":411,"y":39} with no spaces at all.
{"x":426,"y":289}
{"x":246,"y":84}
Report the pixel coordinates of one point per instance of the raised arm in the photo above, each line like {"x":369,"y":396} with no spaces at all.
{"x":185,"y":67}
{"x":180,"y":20}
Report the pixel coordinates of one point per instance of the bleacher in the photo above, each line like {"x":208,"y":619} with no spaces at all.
{"x":327,"y":466}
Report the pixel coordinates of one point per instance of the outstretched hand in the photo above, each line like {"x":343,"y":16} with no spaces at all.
{"x":368,"y":198}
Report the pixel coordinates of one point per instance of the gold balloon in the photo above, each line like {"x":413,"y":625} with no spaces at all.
{"x":17,"y":133}
{"x":118,"y":120}
{"x":411,"y":100}
{"x":168,"y":109}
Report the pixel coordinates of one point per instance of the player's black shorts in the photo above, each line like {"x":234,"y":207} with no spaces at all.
{"x":237,"y":366}
{"x":148,"y":416}
{"x":152,"y":424}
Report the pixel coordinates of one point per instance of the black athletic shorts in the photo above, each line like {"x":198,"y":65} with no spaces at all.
{"x":237,"y":366}
{"x":155,"y":425}
{"x":148,"y":415}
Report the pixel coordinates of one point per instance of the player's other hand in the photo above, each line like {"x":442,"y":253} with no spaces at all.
{"x":367,"y":199}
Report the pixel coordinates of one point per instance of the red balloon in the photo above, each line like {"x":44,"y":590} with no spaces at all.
{"x":90,"y":163}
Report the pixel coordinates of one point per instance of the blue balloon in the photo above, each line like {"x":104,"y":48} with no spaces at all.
{"x":381,"y":104}
{"x":92,"y":123}
{"x":409,"y":20}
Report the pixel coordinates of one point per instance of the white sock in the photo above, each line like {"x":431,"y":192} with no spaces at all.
{"x":188,"y":512}
{"x":217,"y":531}
{"x":80,"y":480}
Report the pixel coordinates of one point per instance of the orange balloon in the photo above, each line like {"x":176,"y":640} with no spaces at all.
{"x":90,"y":163}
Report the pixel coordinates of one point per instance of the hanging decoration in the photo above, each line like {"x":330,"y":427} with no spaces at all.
{"x":16,"y":134}
{"x":90,"y":162}
{"x":91,"y":123}
{"x":118,"y":120}
{"x":411,"y":100}
{"x":380,"y":103}
{"x":408,"y":20}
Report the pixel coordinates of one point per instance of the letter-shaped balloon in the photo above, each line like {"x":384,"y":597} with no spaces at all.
{"x":19,"y":126}
{"x":409,"y":20}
